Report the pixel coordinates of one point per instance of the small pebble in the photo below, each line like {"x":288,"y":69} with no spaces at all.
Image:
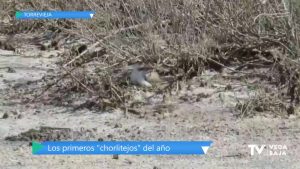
{"x":5,"y":116}
{"x":20,"y":116}
{"x":10,"y":70}
{"x":128,"y":161}
{"x":116,"y":156}
{"x":117,"y":125}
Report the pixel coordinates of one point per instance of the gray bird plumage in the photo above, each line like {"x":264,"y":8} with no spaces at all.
{"x":138,"y":76}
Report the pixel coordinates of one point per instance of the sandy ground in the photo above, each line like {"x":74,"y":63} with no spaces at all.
{"x":205,"y":119}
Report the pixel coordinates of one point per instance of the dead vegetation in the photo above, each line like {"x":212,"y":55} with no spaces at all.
{"x":178,"y":38}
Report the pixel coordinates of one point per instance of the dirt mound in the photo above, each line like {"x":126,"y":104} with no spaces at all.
{"x":52,"y":133}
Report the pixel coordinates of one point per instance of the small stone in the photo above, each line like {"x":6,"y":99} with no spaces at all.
{"x":14,"y":112}
{"x":128,"y":161}
{"x":116,"y":156}
{"x":117,"y":125}
{"x":10,"y":70}
{"x":291,"y":110}
{"x":166,"y":115}
{"x":5,"y":81}
{"x":43,"y":47}
{"x":228,"y":87}
{"x":5,"y":116}
{"x":20,"y":116}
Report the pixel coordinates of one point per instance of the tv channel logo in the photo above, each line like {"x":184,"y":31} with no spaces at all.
{"x":268,"y":150}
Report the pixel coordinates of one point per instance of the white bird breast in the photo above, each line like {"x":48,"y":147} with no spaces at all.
{"x":139,"y":78}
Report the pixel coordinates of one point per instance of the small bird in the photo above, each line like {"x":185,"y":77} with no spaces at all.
{"x":138,"y":75}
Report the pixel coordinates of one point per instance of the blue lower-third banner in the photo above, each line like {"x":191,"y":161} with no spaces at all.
{"x":121,"y":147}
{"x":54,"y":14}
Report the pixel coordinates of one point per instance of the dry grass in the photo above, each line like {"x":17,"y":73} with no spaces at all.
{"x":179,"y":38}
